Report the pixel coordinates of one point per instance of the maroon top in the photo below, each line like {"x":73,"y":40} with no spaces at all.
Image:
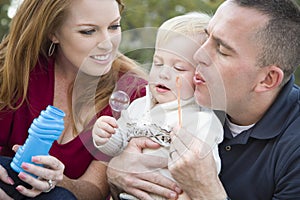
{"x":76,"y":154}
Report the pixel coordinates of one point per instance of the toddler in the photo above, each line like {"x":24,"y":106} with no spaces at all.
{"x":169,"y":101}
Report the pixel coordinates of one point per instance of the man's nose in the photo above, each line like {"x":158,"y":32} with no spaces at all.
{"x":203,"y":56}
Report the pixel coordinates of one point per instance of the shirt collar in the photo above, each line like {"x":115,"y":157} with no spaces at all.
{"x":274,"y":120}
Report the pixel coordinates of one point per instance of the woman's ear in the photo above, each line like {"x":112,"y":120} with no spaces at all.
{"x":53,"y":38}
{"x":272,"y":77}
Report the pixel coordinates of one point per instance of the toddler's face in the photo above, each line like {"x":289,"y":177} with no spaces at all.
{"x":173,"y":59}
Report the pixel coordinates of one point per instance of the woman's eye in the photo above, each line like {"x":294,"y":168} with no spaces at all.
{"x":114,"y":27}
{"x":87,"y":32}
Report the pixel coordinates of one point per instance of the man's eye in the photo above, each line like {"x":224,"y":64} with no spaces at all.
{"x":223,"y":54}
{"x":87,"y":32}
{"x":114,"y":27}
{"x":219,"y":50}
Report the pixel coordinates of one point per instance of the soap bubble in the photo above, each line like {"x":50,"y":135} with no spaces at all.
{"x":119,"y":100}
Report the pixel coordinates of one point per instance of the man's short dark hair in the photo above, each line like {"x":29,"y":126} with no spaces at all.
{"x":280,"y":37}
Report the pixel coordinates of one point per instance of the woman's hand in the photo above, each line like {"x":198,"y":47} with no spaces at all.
{"x":6,"y":179}
{"x":48,"y":175}
{"x":4,"y":196}
{"x":138,"y":174}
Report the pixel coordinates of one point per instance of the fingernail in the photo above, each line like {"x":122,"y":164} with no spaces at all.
{"x":14,"y":148}
{"x":34,"y":159}
{"x":25,"y":166}
{"x":19,"y":188}
{"x":22,"y":176}
{"x":10,"y":180}
{"x":173,"y":195}
{"x":178,"y":190}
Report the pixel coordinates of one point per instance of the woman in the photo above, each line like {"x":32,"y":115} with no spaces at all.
{"x":39,"y":62}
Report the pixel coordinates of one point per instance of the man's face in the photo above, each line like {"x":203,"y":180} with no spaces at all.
{"x":227,"y":73}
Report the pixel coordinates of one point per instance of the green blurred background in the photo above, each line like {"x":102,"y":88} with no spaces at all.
{"x":138,"y":14}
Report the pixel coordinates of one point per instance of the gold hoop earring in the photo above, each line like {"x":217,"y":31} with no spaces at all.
{"x":51,"y":49}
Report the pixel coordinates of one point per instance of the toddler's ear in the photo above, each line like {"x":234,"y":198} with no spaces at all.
{"x":271,"y":78}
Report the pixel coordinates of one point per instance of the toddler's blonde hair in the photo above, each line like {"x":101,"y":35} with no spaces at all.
{"x":190,"y":25}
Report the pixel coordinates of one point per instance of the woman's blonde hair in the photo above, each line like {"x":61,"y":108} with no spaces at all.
{"x":28,"y":40}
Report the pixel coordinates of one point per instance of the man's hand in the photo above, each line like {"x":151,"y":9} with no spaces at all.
{"x":137,"y":173}
{"x":192,"y":165}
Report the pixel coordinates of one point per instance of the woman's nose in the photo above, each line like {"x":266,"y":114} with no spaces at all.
{"x":104,"y":41}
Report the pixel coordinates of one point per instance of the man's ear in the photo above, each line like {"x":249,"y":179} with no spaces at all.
{"x":271,"y":78}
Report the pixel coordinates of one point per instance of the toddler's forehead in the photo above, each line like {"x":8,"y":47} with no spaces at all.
{"x":179,"y":45}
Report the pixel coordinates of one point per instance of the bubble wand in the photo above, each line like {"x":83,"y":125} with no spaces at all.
{"x":178,"y":87}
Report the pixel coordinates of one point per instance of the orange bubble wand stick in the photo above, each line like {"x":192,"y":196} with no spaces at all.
{"x":178,"y":87}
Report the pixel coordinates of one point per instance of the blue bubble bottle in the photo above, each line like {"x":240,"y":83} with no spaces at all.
{"x":43,"y":131}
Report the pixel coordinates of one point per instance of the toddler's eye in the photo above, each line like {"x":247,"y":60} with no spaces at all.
{"x":179,"y":68}
{"x":158,"y":64}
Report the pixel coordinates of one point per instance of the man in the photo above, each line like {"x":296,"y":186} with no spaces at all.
{"x":245,"y":69}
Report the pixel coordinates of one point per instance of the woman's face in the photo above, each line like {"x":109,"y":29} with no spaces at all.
{"x":90,"y":36}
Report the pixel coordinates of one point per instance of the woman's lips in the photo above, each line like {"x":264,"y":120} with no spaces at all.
{"x":102,"y":59}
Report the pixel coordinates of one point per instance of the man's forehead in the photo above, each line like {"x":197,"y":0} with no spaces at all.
{"x":231,"y":15}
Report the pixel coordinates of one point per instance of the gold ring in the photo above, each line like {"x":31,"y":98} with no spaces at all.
{"x":50,"y":183}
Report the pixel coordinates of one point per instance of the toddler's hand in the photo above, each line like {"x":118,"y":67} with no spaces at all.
{"x":103,"y":129}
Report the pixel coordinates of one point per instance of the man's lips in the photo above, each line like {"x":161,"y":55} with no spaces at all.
{"x":198,"y":79}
